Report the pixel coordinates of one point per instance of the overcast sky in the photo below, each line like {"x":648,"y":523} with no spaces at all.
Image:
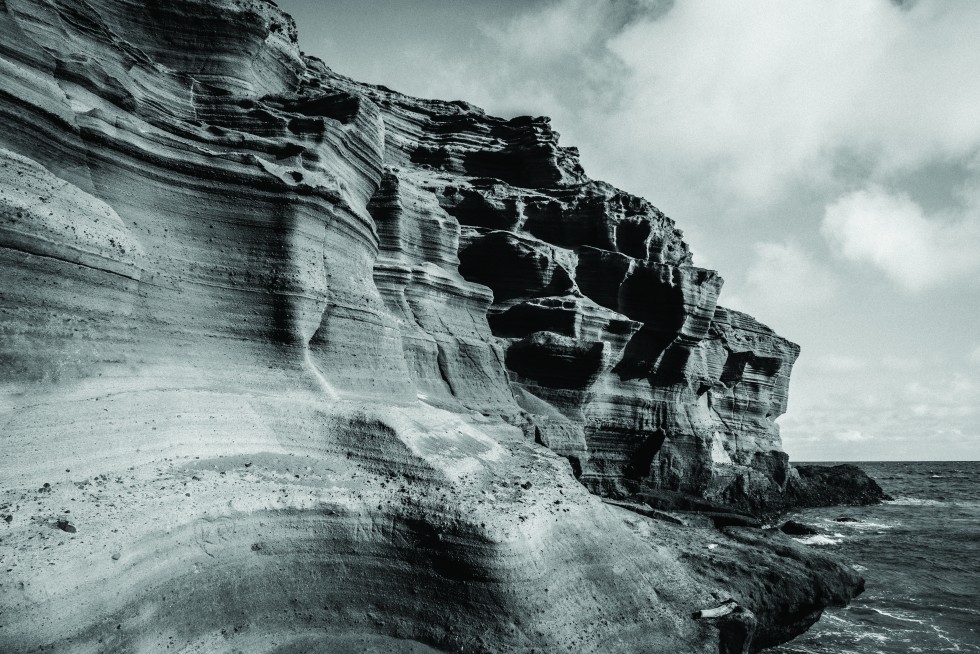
{"x":823,"y":156}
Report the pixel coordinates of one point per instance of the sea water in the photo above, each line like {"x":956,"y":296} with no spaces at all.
{"x":920,"y":557}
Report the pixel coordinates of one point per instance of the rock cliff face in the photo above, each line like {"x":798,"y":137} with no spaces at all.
{"x":616,"y":353}
{"x":293,"y":363}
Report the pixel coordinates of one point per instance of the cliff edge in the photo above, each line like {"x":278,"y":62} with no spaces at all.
{"x":293,"y":363}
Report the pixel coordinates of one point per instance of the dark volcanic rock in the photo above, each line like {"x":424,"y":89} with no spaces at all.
{"x":731,"y":520}
{"x":832,"y":485}
{"x":784,"y":585}
{"x":794,"y":528}
{"x":317,"y":365}
{"x":736,"y":625}
{"x":66,"y":526}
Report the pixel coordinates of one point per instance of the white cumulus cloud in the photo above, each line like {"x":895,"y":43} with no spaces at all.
{"x":893,"y":233}
{"x":851,"y":436}
{"x":752,"y":96}
{"x":783,"y":279}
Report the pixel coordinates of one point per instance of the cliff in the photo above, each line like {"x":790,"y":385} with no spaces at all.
{"x":617,"y":355}
{"x":296,"y":363}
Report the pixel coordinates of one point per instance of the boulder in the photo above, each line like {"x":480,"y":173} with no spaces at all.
{"x":794,"y":528}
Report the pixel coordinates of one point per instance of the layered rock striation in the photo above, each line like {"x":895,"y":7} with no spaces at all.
{"x":294,"y":363}
{"x":616,"y":353}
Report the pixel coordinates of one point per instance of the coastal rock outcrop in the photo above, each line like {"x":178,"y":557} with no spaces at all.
{"x":816,"y":485}
{"x":295,"y":363}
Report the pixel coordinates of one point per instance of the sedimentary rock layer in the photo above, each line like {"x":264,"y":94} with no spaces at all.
{"x":616,"y":351}
{"x":293,"y":363}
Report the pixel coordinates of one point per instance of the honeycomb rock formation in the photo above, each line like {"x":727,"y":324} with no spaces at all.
{"x":292,"y":363}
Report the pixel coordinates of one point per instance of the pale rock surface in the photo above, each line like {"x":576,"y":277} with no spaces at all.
{"x":288,"y":362}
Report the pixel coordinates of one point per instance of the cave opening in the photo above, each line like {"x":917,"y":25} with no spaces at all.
{"x":631,"y":238}
{"x":640,"y":461}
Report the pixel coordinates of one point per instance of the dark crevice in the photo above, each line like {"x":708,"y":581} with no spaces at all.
{"x":640,"y":461}
{"x":443,"y":372}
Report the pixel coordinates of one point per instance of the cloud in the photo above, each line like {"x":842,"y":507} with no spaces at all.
{"x":851,"y":436}
{"x":903,"y":363}
{"x":782,"y":279}
{"x":725,"y":111}
{"x":757,"y":95}
{"x":893,"y":233}
{"x":975,"y":356}
{"x":547,"y":57}
{"x":718,"y":108}
{"x":839,"y":363}
{"x":933,"y":414}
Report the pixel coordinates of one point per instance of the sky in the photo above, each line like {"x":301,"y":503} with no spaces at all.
{"x":824,"y":156}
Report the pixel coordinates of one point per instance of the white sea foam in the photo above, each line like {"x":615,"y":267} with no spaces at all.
{"x":821,"y":539}
{"x":866,"y":526}
{"x":941,"y":634}
{"x":898,"y":615}
{"x":913,"y":501}
{"x":964,"y":609}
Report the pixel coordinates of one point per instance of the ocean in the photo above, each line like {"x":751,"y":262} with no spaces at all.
{"x":920,"y":556}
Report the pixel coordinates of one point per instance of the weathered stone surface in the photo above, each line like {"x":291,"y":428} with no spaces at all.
{"x":298,"y":357}
{"x":794,"y":528}
{"x":770,"y":588}
{"x":817,"y":485}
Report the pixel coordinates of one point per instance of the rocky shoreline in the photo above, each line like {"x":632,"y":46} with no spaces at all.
{"x":296,"y":363}
{"x":843,"y":485}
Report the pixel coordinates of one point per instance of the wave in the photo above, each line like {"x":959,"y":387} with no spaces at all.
{"x":913,"y":501}
{"x":821,"y":539}
{"x":863,"y":525}
{"x":902,"y":616}
{"x":962,"y":609}
{"x":873,"y":525}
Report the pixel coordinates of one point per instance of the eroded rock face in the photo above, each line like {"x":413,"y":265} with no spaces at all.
{"x":816,"y":485}
{"x":295,"y":358}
